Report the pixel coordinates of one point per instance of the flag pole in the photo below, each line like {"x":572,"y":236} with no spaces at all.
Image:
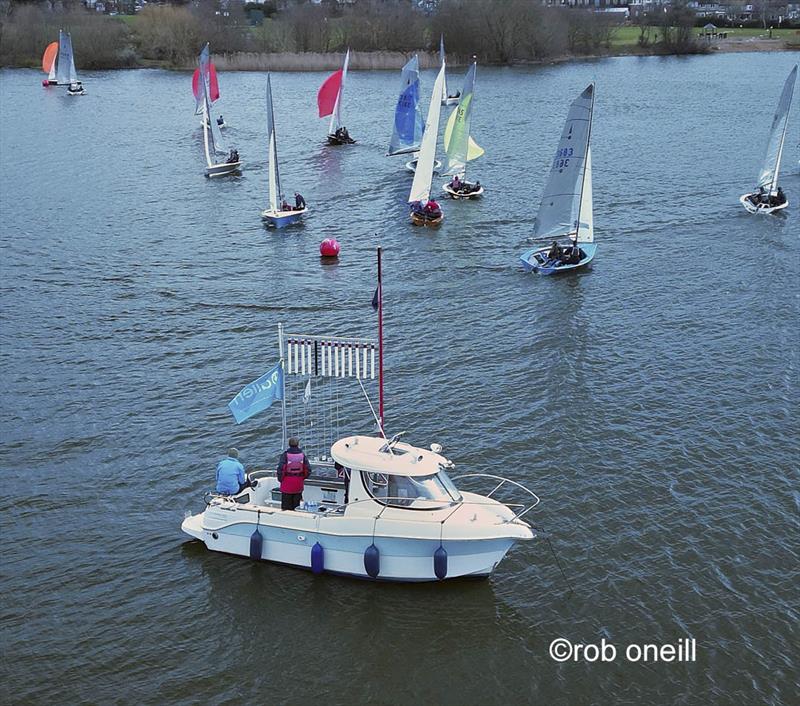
{"x":380,"y":345}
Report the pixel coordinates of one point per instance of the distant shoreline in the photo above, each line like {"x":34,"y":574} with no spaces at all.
{"x":390,"y":60}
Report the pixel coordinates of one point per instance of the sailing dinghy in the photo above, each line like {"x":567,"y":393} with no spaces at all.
{"x":424,"y":210}
{"x":408,"y":124}
{"x":212,"y":137}
{"x":213,"y":88}
{"x":329,"y":102}
{"x":459,"y":145}
{"x":49,"y":59}
{"x":65,"y":71}
{"x":769,"y":197}
{"x":279,"y":213}
{"x":566,"y":207}
{"x":446,"y":99}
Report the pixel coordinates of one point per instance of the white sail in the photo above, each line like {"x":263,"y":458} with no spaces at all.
{"x":560,"y":207}
{"x":585,"y":232}
{"x":336,"y":115}
{"x":768,"y":178}
{"x":423,"y":176}
{"x":65,"y":64}
{"x":73,"y":75}
{"x":274,"y":176}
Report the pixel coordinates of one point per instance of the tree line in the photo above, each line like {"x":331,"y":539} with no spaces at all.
{"x":171,"y":34}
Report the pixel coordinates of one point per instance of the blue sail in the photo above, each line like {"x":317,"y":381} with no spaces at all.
{"x":408,"y":122}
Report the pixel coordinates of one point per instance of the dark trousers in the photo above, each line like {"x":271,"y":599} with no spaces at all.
{"x":289,"y":501}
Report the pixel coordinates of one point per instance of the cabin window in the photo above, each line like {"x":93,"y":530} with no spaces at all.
{"x":415,"y":492}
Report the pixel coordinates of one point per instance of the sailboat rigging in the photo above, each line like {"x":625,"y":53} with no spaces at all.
{"x":329,"y":102}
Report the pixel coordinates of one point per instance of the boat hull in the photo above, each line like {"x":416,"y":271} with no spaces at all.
{"x":536,"y":260}
{"x":764,"y":208}
{"x":288,"y":538}
{"x":451,"y":100}
{"x":412,"y":165}
{"x":419,"y":219}
{"x":281,"y":219}
{"x":459,"y":195}
{"x":226,"y":169}
{"x":333,"y":141}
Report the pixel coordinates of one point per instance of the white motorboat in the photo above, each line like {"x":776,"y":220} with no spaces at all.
{"x":277,"y":214}
{"x":404,"y":519}
{"x":768,"y":197}
{"x":373,"y":508}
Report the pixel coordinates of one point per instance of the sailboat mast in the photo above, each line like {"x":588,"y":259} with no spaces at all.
{"x":780,"y":154}
{"x":585,"y":162}
{"x":380,"y":345}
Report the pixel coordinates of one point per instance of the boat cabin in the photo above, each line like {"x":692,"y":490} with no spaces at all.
{"x":373,"y":470}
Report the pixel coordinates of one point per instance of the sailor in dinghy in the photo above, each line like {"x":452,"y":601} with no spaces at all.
{"x":424,"y":210}
{"x":459,"y":145}
{"x":769,"y":197}
{"x":66,"y":73}
{"x":329,"y":102}
{"x":279,"y":213}
{"x":566,"y":207}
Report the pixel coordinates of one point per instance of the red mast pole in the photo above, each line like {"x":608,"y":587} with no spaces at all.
{"x":380,"y":345}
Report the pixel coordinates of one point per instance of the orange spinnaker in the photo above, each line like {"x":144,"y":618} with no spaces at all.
{"x":49,"y":56}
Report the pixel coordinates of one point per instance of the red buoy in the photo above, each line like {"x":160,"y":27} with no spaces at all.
{"x":329,"y":247}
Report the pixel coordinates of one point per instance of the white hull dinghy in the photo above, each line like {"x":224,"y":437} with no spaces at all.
{"x":411,"y":165}
{"x":277,"y":215}
{"x":408,"y":126}
{"x":446,"y":99}
{"x":566,"y":209}
{"x":769,"y":197}
{"x":65,"y":72}
{"x":459,"y":145}
{"x":212,"y":137}
{"x":393,"y":514}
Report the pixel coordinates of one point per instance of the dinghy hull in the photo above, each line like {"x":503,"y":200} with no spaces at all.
{"x":226,"y":169}
{"x":536,"y":260}
{"x":281,"y":219}
{"x":419,"y":219}
{"x":751,"y":206}
{"x":453,"y":194}
{"x":412,"y":166}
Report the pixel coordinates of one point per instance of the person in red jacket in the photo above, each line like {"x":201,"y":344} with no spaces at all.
{"x":293,"y":469}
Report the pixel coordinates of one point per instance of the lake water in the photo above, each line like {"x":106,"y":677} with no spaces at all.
{"x":652,"y":401}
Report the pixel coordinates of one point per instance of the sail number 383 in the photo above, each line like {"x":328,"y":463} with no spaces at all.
{"x":562,"y":157}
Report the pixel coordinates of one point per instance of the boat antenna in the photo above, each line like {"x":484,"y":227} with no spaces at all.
{"x":380,"y":345}
{"x":555,"y":556}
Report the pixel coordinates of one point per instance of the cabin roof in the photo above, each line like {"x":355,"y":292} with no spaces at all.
{"x":370,"y":453}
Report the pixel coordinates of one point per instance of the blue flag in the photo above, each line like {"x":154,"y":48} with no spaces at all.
{"x":258,"y":395}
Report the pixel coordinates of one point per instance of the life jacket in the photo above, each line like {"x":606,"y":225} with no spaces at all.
{"x":294,"y":473}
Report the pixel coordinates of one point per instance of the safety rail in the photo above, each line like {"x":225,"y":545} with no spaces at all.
{"x":340,"y":508}
{"x":502,"y":482}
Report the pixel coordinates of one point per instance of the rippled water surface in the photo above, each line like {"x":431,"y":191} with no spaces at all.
{"x":652,"y":402}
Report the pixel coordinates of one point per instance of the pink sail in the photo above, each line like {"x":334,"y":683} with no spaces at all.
{"x":326,"y":98}
{"x":212,"y":84}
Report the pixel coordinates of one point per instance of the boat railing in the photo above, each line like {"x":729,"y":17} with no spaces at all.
{"x":526,"y":507}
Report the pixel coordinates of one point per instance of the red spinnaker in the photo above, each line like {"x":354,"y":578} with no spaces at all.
{"x":212,"y":83}
{"x":326,"y":98}
{"x":49,"y":56}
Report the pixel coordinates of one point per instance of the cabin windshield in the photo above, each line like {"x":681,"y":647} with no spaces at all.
{"x":415,"y":492}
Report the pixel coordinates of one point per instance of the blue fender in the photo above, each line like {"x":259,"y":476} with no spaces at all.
{"x":440,"y":562}
{"x":372,"y":561}
{"x":317,"y":558}
{"x":256,"y":544}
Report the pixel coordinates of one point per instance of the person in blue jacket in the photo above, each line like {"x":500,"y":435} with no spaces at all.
{"x":230,"y":474}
